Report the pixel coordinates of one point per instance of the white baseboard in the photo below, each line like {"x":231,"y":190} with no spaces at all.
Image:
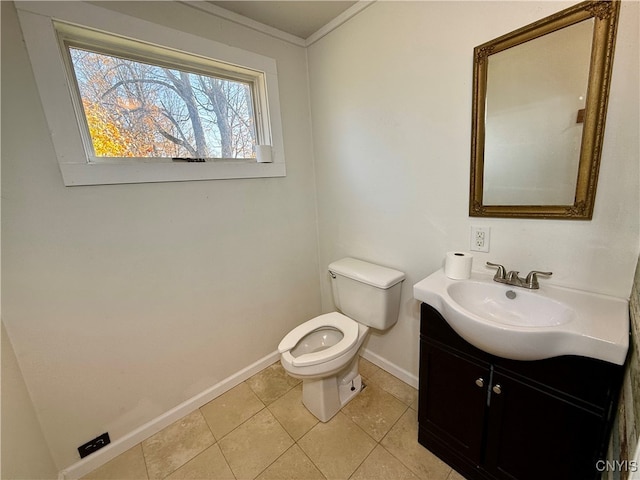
{"x":122,"y":444}
{"x":143,"y":432}
{"x":392,"y":368}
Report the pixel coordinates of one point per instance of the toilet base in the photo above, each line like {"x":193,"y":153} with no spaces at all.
{"x":325,"y":397}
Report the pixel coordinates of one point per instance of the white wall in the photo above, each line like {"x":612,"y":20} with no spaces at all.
{"x":25,"y":453}
{"x":123,"y":301}
{"x":391,"y":110}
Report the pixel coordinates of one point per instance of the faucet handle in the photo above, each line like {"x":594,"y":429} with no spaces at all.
{"x":501,"y":274}
{"x":532,"y":278}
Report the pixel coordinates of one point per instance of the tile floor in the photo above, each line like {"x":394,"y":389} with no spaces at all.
{"x":260,"y":430}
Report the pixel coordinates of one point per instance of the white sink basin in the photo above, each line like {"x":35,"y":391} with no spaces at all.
{"x":534,"y":324}
{"x":525,"y":309}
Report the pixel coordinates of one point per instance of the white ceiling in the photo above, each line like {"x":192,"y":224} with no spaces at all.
{"x":299,"y":18}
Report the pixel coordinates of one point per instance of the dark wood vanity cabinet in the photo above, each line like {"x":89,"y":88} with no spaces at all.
{"x":493,"y":418}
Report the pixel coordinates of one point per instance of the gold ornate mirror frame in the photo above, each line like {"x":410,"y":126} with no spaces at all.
{"x":605,"y":14}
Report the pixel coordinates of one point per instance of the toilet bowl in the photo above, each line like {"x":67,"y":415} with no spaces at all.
{"x":320,"y":346}
{"x":324,"y":351}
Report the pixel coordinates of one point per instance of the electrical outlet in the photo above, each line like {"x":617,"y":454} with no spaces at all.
{"x":95,"y":444}
{"x":480,"y":237}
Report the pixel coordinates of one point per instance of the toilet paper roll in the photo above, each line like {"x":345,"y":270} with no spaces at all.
{"x":457,"y":265}
{"x":263,"y":153}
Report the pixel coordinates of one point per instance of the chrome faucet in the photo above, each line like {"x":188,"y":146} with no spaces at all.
{"x":513,"y":277}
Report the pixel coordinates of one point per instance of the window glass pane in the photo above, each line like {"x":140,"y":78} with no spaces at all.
{"x":135,"y":109}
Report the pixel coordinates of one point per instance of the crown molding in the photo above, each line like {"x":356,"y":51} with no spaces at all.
{"x":274,"y":32}
{"x":339,"y":20}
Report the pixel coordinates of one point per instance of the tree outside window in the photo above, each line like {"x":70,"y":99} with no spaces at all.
{"x":137,"y":109}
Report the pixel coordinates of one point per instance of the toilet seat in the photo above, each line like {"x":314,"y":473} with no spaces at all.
{"x":344,"y":324}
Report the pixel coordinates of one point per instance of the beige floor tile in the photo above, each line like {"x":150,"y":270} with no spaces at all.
{"x":210,"y":464}
{"x":254,"y":440}
{"x":396,"y":387}
{"x":414,"y":405}
{"x":366,"y":368}
{"x":126,"y":466}
{"x":381,"y":465}
{"x":230,"y":409}
{"x":271,"y":383}
{"x":337,"y":447}
{"x":375,"y":411}
{"x":292,"y":414}
{"x":254,"y":445}
{"x":292,"y":465}
{"x":174,"y":446}
{"x":402,"y":443}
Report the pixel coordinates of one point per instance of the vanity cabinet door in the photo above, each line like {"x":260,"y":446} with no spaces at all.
{"x":452,"y":402}
{"x":533,"y":434}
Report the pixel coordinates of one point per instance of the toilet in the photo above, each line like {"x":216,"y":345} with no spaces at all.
{"x":323,"y":351}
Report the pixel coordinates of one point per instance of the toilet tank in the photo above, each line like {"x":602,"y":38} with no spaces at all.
{"x":367,"y":293}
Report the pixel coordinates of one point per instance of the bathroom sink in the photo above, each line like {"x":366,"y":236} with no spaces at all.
{"x":509,"y":306}
{"x":523,"y":324}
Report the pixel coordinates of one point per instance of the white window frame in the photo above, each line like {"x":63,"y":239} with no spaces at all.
{"x":76,"y":161}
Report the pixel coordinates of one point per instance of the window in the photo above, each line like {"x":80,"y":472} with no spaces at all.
{"x":166,"y":104}
{"x":135,"y":109}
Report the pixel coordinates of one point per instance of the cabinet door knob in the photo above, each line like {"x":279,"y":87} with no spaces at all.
{"x":497,"y":389}
{"x":480,"y":382}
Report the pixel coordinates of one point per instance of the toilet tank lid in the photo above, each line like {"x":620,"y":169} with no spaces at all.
{"x":365,"y":272}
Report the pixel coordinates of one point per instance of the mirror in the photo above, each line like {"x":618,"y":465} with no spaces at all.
{"x":539,"y":108}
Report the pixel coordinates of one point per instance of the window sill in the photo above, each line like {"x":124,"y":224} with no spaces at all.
{"x":76,"y":174}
